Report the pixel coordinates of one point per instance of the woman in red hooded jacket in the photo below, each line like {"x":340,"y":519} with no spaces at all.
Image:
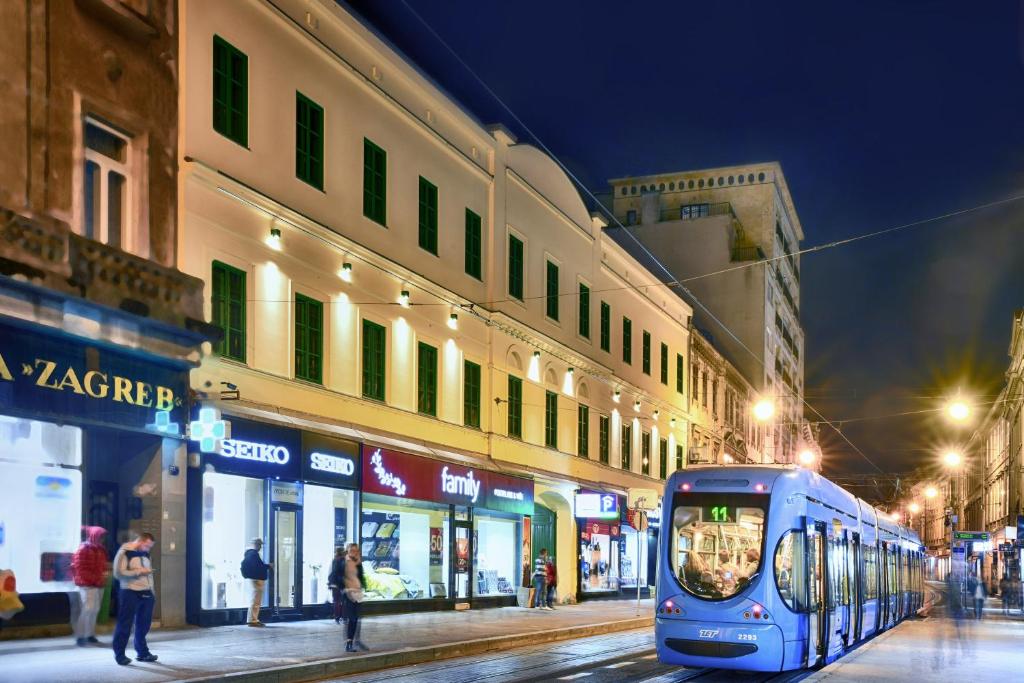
{"x":90,"y":569}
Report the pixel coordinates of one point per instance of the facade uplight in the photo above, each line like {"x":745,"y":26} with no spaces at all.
{"x":657,"y":414}
{"x":274,"y":239}
{"x":346,"y":272}
{"x":616,"y":395}
{"x":636,"y":405}
{"x":403,"y":299}
{"x":453,"y":321}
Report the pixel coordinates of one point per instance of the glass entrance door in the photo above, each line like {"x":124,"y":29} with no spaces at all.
{"x":284,"y":579}
{"x":463,"y":560}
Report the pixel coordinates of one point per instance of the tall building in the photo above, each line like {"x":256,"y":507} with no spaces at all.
{"x":709,"y":223}
{"x":98,"y":330}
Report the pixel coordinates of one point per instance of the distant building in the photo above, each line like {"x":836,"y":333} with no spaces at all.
{"x":703,"y":222}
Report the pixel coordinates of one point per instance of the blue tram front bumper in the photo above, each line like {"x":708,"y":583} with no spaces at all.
{"x":750,"y":647}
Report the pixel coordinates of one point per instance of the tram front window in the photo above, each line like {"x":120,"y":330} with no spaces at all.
{"x":717,"y":541}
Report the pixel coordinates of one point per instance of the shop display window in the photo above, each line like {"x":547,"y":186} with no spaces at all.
{"x":328,"y":522}
{"x":600,"y":557}
{"x":629,"y":563}
{"x":405,"y":549}
{"x":232,"y":517}
{"x":496,"y":556}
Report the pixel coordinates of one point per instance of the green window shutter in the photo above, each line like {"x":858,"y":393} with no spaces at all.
{"x":474,"y":246}
{"x":374,"y":340}
{"x":679,"y":373}
{"x":583,"y":431}
{"x":627,"y":447}
{"x":606,"y":327}
{"x":426,"y":379}
{"x":471,"y":394}
{"x":663,"y":459}
{"x":664,"y":364}
{"x":515,"y":407}
{"x":603,"y":429}
{"x":375,"y":178}
{"x":428,"y":216}
{"x":679,"y":456}
{"x":584,"y":316}
{"x":645,"y":452}
{"x":309,"y":141}
{"x":647,"y":352}
{"x":230,"y":91}
{"x":552,"y":291}
{"x":229,"y":299}
{"x":515,"y":267}
{"x":309,"y":339}
{"x":551,"y":419}
{"x":627,"y":341}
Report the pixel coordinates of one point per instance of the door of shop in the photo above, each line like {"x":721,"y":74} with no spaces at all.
{"x":543,"y":532}
{"x":285,"y":596}
{"x":464,"y":554}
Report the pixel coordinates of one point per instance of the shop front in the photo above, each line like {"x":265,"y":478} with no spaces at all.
{"x":437,"y":534}
{"x":600,"y":543}
{"x":297,"y":491}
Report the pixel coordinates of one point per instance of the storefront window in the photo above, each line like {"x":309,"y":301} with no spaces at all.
{"x":232,"y":517}
{"x":328,"y":522}
{"x":632,"y":543}
{"x":420,"y":570}
{"x":600,"y":552}
{"x":496,"y":547}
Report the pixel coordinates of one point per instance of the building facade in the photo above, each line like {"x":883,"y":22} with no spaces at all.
{"x":714,"y":221}
{"x":429,"y":341}
{"x":98,"y":330}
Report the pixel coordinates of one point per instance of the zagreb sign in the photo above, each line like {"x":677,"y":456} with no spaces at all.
{"x":51,"y":374}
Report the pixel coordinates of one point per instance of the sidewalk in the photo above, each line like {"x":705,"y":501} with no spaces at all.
{"x":307,"y":650}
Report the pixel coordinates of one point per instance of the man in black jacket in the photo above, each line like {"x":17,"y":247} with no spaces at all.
{"x":255,"y":571}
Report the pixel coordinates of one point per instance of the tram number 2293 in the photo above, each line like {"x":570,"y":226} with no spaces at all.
{"x":746,"y":636}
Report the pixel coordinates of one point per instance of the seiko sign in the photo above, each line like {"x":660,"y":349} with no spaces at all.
{"x":260,"y":452}
{"x":322,"y":462}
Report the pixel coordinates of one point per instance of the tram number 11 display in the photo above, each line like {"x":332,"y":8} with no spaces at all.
{"x":721,"y":514}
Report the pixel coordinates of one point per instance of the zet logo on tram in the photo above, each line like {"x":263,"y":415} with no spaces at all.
{"x":709,"y":633}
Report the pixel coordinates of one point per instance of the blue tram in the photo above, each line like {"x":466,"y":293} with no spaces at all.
{"x":773,"y":568}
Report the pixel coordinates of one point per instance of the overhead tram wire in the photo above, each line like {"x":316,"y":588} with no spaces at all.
{"x":675,"y":281}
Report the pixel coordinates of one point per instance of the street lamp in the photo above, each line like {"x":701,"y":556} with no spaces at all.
{"x":931,"y":492}
{"x":763,"y":410}
{"x":952,"y":459}
{"x":958,"y":410}
{"x":914,"y":508}
{"x":807,"y":457}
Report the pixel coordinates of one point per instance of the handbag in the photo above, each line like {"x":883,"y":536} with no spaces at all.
{"x":355,"y":594}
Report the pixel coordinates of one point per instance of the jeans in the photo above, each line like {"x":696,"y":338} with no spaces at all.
{"x":256,"y":599}
{"x":540,"y":591}
{"x":352,"y":618}
{"x":338,"y":599}
{"x":978,"y":604}
{"x":551,"y":595}
{"x":133,"y":607}
{"x":89,"y":599}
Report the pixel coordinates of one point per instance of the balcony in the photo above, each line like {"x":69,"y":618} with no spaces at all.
{"x":45,"y":252}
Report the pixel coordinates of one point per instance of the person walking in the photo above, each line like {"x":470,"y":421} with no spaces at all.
{"x":255,"y":572}
{"x":540,"y":578}
{"x":335,"y":581}
{"x":1004,"y":594}
{"x":89,"y":569}
{"x":134,"y":572}
{"x":552,"y":583}
{"x":979,"y":598}
{"x":353,"y":584}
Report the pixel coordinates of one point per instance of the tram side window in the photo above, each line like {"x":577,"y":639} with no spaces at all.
{"x":790,"y":574}
{"x":870,"y":572}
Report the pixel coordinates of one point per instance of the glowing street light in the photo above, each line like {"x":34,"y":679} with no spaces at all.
{"x":957,"y":410}
{"x":931,"y":492}
{"x":763,"y":410}
{"x":807,"y":457}
{"x":952,"y":459}
{"x":914,"y":508}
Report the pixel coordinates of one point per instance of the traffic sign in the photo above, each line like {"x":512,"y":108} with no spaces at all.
{"x":971,"y":535}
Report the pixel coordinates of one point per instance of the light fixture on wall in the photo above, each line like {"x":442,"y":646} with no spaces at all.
{"x":403,"y":299}
{"x":615,"y":396}
{"x":657,"y":414}
{"x":571,"y":370}
{"x":536,"y":354}
{"x":672,"y":423}
{"x":453,"y":321}
{"x":274,"y":239}
{"x":636,"y":405}
{"x":346,"y":272}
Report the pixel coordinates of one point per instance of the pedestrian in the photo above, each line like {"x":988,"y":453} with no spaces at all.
{"x":90,"y":570}
{"x":134,"y":572}
{"x":979,"y":598}
{"x":1004,"y":594}
{"x":540,"y":578}
{"x":551,"y":579}
{"x":335,"y":581}
{"x":354,"y":583}
{"x":255,"y":572}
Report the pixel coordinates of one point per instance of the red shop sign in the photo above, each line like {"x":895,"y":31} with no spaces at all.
{"x":393,"y":473}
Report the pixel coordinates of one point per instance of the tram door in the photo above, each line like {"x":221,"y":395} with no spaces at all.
{"x":857,"y":586}
{"x":886,"y":589}
{"x":849,"y":587}
{"x":817,"y":598}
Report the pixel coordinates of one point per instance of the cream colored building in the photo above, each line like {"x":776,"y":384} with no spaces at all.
{"x":466,"y":306}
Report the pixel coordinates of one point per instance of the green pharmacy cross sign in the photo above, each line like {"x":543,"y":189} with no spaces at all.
{"x":209,"y":430}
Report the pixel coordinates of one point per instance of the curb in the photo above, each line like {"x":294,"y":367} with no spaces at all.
{"x":344,"y":666}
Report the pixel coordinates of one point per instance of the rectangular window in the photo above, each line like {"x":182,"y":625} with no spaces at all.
{"x":627,"y":341}
{"x":664,"y":364}
{"x":471,"y":394}
{"x":704,"y":390}
{"x":646,"y":352}
{"x":428,"y":216}
{"x":515,"y":407}
{"x":309,"y":339}
{"x":627,"y":447}
{"x":426,"y":379}
{"x":679,"y":373}
{"x":551,"y":307}
{"x":714,"y":398}
{"x":584,"y":314}
{"x":645,"y":452}
{"x":583,"y":431}
{"x":693,"y":383}
{"x":108,"y":174}
{"x":603,"y":430}
{"x":474,"y":246}
{"x":606,"y":327}
{"x":663,"y":458}
{"x":229,"y":310}
{"x":230,"y":92}
{"x":375,"y":180}
{"x":309,"y":141}
{"x":515,"y":267}
{"x":679,"y":456}
{"x":550,"y":419}
{"x":374,"y":340}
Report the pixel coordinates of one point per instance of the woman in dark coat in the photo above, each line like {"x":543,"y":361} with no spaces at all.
{"x":335,"y":581}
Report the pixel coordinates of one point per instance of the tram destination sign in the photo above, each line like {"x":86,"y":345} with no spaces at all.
{"x":971,"y":535}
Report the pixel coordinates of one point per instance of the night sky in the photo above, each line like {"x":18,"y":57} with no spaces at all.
{"x":880,"y":113}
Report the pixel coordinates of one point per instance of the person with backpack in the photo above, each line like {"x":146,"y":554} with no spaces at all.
{"x":353,"y":584}
{"x":255,"y":572}
{"x":335,"y":581}
{"x":552,"y":583}
{"x":135,"y":599}
{"x":90,"y":570}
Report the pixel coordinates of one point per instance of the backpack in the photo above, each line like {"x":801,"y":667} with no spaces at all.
{"x":250,"y":566}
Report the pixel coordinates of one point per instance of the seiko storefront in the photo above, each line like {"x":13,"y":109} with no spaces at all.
{"x":295,"y":489}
